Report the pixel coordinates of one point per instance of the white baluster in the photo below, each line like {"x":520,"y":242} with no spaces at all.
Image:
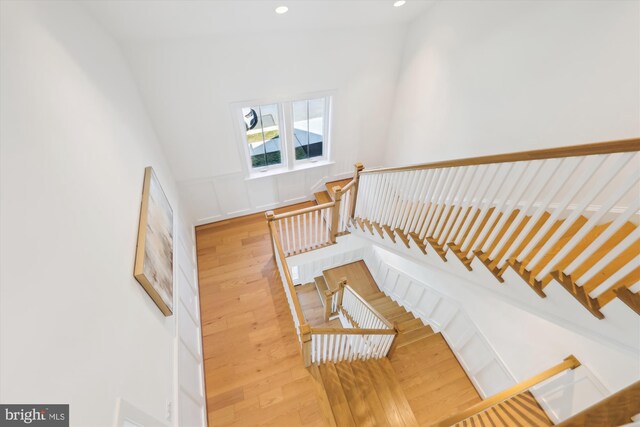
{"x":415,"y":202}
{"x":446,"y":196}
{"x":616,"y":195}
{"x":464,"y":200}
{"x":383,"y":201}
{"x":610,"y":281}
{"x":510,"y":183}
{"x":444,"y":176}
{"x":286,"y":228}
{"x":525,"y":187}
{"x":462,"y":222}
{"x":485,"y":205}
{"x":604,"y":236}
{"x":631,"y":239}
{"x":593,"y":192}
{"x":476,"y":202}
{"x":550,"y":188}
{"x":453,"y":203}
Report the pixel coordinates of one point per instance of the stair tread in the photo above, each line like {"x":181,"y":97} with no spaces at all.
{"x":409,"y":325}
{"x":323,"y":400}
{"x":374,"y":296}
{"x":383,"y":385}
{"x":321,"y":284}
{"x":402,"y":404}
{"x":606,"y":247}
{"x":413,"y":335}
{"x":392,"y":312}
{"x":385,"y":305}
{"x":335,"y":393}
{"x":407,"y":315}
{"x":341,"y":183}
{"x":378,"y":300}
{"x":364,"y":382}
{"x":322,"y":197}
{"x":360,"y":409}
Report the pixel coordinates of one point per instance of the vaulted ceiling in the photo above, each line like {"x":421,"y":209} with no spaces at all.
{"x":166,"y":19}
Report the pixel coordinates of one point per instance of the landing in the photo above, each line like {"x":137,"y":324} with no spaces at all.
{"x":358,"y":277}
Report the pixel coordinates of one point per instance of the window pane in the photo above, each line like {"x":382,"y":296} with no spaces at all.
{"x":301,"y":129}
{"x":263,"y":135}
{"x":308,"y":128}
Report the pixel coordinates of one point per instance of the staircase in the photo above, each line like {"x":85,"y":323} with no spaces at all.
{"x":365,"y":393}
{"x":520,"y":410}
{"x":568,"y":215}
{"x":410,"y":329}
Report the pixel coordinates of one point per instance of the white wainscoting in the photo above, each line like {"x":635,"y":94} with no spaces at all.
{"x":226,"y":196}
{"x":561,"y":397}
{"x":189,"y":368}
{"x":305,"y":267}
{"x":483,"y":366}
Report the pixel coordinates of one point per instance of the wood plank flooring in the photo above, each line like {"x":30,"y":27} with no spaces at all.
{"x":358,"y":277}
{"x":426,"y":369}
{"x":254,"y":372}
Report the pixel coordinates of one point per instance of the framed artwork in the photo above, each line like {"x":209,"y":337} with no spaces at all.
{"x":154,"y":252}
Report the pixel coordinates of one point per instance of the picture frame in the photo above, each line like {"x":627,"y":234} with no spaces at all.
{"x":153,"y":267}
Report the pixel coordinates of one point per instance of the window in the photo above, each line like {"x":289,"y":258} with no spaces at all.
{"x":263,"y":135}
{"x":284,"y":136}
{"x":308,"y":128}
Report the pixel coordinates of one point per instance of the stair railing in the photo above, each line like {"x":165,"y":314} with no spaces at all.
{"x":333,"y":299}
{"x":616,"y":410}
{"x":348,"y":344}
{"x":318,"y":226}
{"x":546,"y":213}
{"x":321,"y":345}
{"x":569,"y":363}
{"x":370,"y":334}
{"x":360,"y":313}
{"x":287,"y":284}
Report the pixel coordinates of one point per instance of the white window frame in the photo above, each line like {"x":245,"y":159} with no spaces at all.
{"x":285,"y":126}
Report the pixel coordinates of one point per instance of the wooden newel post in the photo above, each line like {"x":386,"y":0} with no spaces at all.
{"x":305,"y":338}
{"x":327,"y":304}
{"x":341,"y":284}
{"x":270,"y":218}
{"x":354,"y":190}
{"x":394,"y":344}
{"x":335,"y":213}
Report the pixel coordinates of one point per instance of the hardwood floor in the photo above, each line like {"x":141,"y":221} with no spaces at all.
{"x":254,"y":372}
{"x":357,"y":275}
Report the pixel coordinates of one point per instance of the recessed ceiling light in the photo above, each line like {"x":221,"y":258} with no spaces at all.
{"x":281,"y":9}
{"x":399,"y":3}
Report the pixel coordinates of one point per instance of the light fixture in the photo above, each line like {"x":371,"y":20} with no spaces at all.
{"x":281,"y":9}
{"x":399,"y":3}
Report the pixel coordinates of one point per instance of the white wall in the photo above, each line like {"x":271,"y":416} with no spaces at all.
{"x":498,"y":342}
{"x":75,"y":326}
{"x":500,"y":345}
{"x":190,"y":84}
{"x":484,"y":77}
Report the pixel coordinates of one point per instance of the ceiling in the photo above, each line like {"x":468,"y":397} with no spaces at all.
{"x":149,"y":20}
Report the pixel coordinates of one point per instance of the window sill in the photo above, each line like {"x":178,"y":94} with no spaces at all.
{"x":283,"y":171}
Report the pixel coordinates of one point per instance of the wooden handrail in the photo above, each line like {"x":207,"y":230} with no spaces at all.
{"x":615,"y":410}
{"x":304,"y":210}
{"x":609,"y":147}
{"x":370,"y":307}
{"x":351,"y":331}
{"x":285,"y":267}
{"x":569,"y":363}
{"x":348,"y":185}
